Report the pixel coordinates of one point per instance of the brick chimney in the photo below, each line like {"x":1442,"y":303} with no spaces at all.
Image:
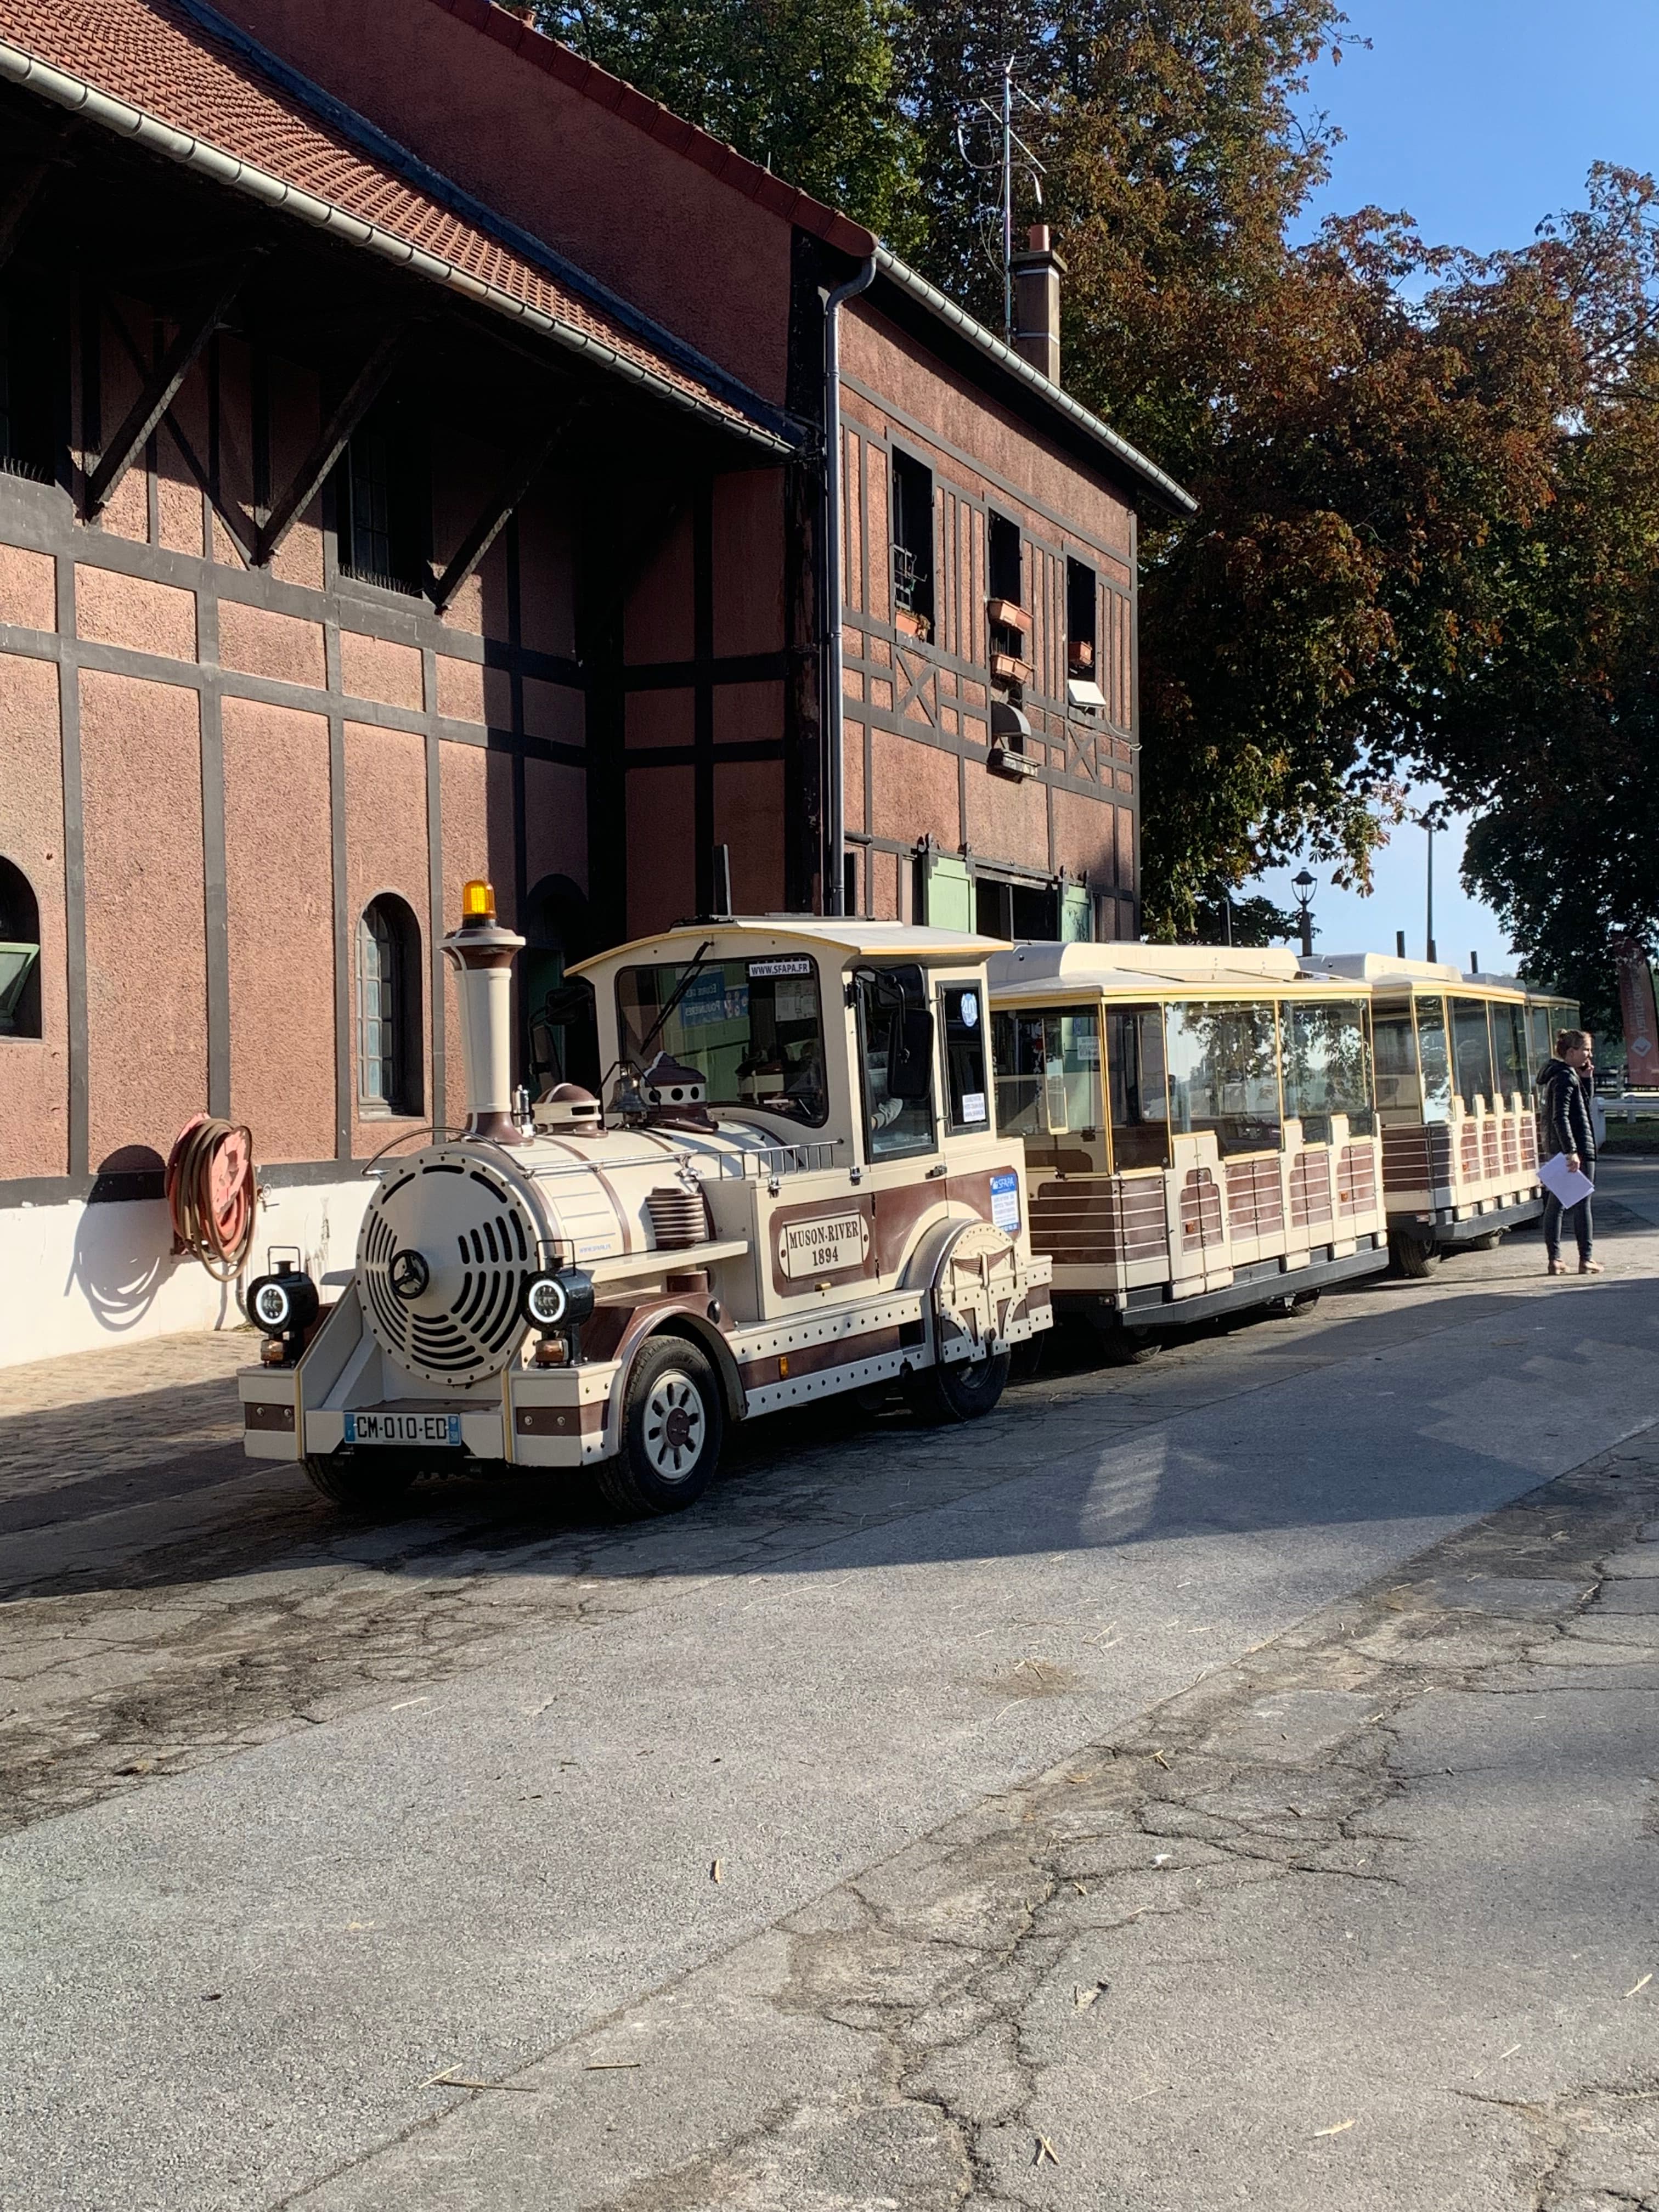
{"x":1037,"y":272}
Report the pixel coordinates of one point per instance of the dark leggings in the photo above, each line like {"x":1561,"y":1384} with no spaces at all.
{"x":1583,"y":1227}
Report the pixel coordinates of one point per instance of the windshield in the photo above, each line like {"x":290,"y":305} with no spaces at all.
{"x":1327,"y":1068}
{"x":753,"y":1029}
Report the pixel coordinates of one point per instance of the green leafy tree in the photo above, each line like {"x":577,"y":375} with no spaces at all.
{"x":808,"y":87}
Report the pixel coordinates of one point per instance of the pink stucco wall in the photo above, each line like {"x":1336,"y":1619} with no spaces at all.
{"x":146,"y":934}
{"x":280,"y":913}
{"x":34,"y":1074}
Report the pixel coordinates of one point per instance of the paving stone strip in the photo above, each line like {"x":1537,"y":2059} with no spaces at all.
{"x":1366,"y":1919}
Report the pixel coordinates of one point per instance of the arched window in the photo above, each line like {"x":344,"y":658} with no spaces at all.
{"x":389,"y":1069}
{"x":19,"y":955}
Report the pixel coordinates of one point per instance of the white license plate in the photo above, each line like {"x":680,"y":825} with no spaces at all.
{"x":403,"y":1429}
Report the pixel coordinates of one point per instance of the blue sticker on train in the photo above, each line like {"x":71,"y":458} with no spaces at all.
{"x":1004,"y":1202}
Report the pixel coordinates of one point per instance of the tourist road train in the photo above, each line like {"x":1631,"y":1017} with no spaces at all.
{"x":838,"y":1156}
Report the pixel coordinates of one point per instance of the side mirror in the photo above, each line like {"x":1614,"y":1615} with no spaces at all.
{"x":910,"y":1055}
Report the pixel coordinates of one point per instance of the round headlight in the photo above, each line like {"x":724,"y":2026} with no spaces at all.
{"x":544,"y":1302}
{"x":283,"y":1303}
{"x":560,"y":1298}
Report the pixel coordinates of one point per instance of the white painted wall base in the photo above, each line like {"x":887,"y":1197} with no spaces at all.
{"x":76,"y":1277}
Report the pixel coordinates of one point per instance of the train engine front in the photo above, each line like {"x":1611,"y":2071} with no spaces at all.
{"x":543,"y":1290}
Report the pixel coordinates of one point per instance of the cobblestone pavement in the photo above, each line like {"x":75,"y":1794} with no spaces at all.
{"x":184,"y":1636}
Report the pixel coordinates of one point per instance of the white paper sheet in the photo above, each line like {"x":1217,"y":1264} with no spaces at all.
{"x":1565,"y":1182}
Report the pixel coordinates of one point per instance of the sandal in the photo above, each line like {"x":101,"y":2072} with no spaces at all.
{"x":1558,"y":1267}
{"x":1591,"y":1267}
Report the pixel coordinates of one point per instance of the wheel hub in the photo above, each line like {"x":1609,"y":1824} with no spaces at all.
{"x":674,"y":1426}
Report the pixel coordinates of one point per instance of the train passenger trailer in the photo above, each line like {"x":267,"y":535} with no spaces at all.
{"x":795,"y":1188}
{"x":1200,"y":1125}
{"x":1457,"y":1057}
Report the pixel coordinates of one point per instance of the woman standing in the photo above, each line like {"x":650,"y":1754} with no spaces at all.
{"x":1567,"y":1125}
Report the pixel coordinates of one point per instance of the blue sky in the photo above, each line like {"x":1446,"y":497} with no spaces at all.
{"x":1479,"y":119}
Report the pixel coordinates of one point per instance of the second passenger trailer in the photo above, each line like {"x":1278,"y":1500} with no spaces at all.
{"x":1200,"y":1125}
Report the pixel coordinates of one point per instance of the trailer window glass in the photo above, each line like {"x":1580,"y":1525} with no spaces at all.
{"x":1223,"y":1075}
{"x":1140,"y":1104}
{"x":1432,"y":1060}
{"x":1509,"y":1037}
{"x":1473,"y":1042}
{"x":893,"y":1127}
{"x":1394,"y":1047}
{"x":753,"y":1029}
{"x":1328,"y":1068}
{"x":1047,"y":1068}
{"x":963,"y":1008}
{"x":1540,"y":1040}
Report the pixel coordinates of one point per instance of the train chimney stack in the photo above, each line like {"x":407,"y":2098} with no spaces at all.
{"x":481,"y":951}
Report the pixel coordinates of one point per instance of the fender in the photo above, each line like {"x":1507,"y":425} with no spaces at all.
{"x":682,"y":1315}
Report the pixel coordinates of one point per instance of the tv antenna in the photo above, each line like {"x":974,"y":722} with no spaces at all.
{"x":1016,"y":156}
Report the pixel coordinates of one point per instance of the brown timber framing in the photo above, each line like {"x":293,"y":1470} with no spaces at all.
{"x":317,"y":466}
{"x":152,"y":401}
{"x":514,"y":490}
{"x":18,"y":204}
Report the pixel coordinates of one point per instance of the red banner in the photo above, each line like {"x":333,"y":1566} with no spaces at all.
{"x":1635,"y":1003}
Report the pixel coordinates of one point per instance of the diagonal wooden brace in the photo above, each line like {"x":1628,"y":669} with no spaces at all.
{"x":19,"y":202}
{"x":366,"y":388}
{"x":510,"y":494}
{"x":159,"y":394}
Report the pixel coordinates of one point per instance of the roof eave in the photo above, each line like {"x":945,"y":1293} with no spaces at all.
{"x":1155,"y":483}
{"x":79,"y":97}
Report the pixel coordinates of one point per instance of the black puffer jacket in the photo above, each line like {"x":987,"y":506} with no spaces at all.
{"x":1564,"y":1121}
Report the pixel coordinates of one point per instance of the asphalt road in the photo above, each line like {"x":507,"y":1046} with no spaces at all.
{"x":303,"y":1816}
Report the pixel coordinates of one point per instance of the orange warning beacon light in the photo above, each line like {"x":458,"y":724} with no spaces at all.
{"x":478,"y":900}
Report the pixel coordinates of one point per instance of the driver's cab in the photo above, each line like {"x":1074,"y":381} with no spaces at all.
{"x":832,"y":1077}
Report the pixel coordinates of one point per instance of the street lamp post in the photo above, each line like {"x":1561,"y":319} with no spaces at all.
{"x":1303,"y":885}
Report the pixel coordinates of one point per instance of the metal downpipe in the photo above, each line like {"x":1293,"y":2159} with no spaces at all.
{"x":834,"y":768}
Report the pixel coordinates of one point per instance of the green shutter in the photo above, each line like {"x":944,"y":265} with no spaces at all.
{"x":1076,"y":916}
{"x":949,"y":893}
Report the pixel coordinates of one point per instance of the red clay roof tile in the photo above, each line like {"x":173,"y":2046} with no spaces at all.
{"x":150,"y":56}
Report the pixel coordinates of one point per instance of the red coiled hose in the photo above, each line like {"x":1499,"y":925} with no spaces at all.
{"x":211,"y":1194}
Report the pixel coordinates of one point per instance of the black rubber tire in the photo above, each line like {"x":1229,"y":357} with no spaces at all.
{"x":965,"y":1390}
{"x":1025,"y":1360}
{"x":1413,"y":1258}
{"x":1294,"y":1302}
{"x":362,"y":1481}
{"x":1489,"y":1243}
{"x":657,"y":1470}
{"x":1127,"y":1347}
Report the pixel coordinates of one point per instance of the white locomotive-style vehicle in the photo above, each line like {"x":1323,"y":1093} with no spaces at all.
{"x":797,"y":1190}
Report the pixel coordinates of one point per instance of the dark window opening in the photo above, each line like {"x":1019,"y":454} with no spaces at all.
{"x":1003,"y":560}
{"x":385,"y":504}
{"x":19,"y":955}
{"x":849,"y":889}
{"x":1028,"y":911}
{"x":1080,"y":659}
{"x":29,"y":380}
{"x":389,"y":1032}
{"x":913,"y":542}
{"x":561,"y":1034}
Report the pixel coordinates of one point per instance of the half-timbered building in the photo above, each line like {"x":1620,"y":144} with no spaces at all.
{"x":419,"y":453}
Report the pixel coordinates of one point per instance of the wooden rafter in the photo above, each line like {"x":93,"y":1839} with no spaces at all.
{"x":509,"y":495}
{"x":159,"y":394}
{"x":365,"y":389}
{"x":19,"y":202}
